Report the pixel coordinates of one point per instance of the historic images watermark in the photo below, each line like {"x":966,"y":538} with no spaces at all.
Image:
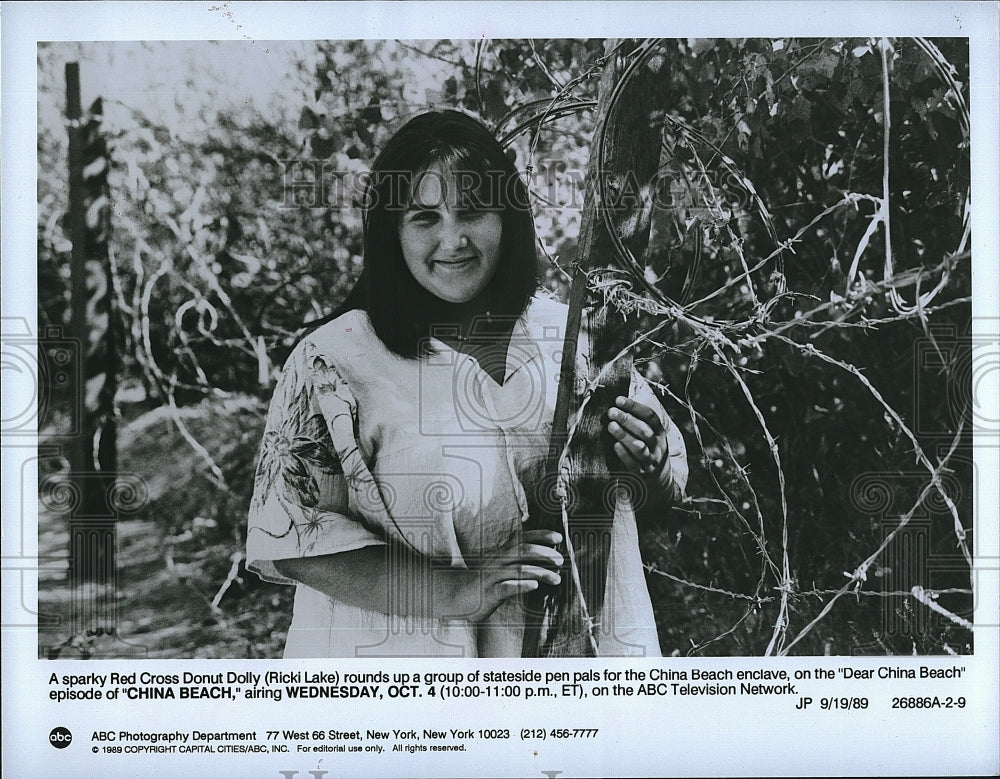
{"x":553,"y":185}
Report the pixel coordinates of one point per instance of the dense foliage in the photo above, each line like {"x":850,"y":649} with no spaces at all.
{"x":822,"y":387}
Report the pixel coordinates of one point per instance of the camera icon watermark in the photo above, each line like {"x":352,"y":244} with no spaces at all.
{"x":443,"y":522}
{"x":956,"y":381}
{"x":42,"y":380}
{"x":456,"y":396}
{"x":92,"y":503}
{"x":925,"y":586}
{"x":429,"y":513}
{"x":593,"y":504}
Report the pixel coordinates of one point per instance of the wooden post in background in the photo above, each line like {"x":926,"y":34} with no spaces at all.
{"x":629,"y":131}
{"x":93,"y":452}
{"x":80,"y":457}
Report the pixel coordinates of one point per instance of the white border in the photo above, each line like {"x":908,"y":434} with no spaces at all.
{"x":708,"y":738}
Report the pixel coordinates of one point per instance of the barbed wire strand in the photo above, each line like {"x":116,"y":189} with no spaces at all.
{"x":861,"y":571}
{"x":934,"y":471}
{"x":759,"y":538}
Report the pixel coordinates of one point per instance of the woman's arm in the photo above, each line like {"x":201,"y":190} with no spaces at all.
{"x":391,"y":580}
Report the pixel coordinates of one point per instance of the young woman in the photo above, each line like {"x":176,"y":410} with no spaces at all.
{"x":406,"y":437}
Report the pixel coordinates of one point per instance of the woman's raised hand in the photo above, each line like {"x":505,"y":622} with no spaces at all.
{"x":524,"y":564}
{"x":640,"y":439}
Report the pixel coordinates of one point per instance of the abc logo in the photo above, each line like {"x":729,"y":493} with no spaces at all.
{"x":60,"y":738}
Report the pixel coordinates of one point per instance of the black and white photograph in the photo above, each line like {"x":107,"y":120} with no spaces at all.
{"x":386,"y":254}
{"x":387,"y":366}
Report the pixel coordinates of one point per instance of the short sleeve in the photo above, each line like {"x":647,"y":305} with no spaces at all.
{"x":300,"y":499}
{"x":674,"y":475}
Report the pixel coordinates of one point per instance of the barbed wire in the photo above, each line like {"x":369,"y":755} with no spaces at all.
{"x":775,"y":587}
{"x":632,"y":291}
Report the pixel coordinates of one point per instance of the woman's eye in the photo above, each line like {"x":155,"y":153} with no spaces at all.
{"x":424,"y":217}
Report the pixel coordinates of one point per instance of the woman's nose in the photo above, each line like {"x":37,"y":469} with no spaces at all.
{"x":453,"y":235}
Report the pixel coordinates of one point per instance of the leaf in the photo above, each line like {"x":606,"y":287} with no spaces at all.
{"x":314,"y":427}
{"x":307,"y":119}
{"x":373,"y":113}
{"x":801,"y":108}
{"x":301,"y":484}
{"x":314,"y":445}
{"x":826,"y":63}
{"x":309,"y":492}
{"x":294,"y":467}
{"x":701,"y":45}
{"x":818,"y":69}
{"x":321,"y":146}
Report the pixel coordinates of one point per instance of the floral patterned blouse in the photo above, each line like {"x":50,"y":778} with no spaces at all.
{"x":363,"y":447}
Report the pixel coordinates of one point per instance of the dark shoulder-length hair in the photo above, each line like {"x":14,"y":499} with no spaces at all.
{"x":400,"y":309}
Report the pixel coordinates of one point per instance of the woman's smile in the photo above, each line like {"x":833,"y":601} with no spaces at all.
{"x":458,"y":262}
{"x":457,"y":266}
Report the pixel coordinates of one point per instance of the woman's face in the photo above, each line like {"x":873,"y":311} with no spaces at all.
{"x":451,"y":248}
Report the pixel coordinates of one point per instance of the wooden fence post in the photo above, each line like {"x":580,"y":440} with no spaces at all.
{"x":621,"y":171}
{"x":93,"y":448}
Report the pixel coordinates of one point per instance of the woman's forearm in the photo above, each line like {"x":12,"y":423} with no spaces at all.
{"x":393,"y":580}
{"x":381,"y":579}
